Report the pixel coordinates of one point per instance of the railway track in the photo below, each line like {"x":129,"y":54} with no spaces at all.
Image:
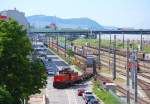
{"x":143,"y":64}
{"x":120,"y":64}
{"x":120,"y":57}
{"x":105,"y":57}
{"x":144,"y":85}
{"x":121,"y":90}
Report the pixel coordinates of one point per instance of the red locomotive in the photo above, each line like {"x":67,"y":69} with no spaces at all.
{"x":67,"y":77}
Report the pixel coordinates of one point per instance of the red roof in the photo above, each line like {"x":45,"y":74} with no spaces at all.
{"x":3,"y":17}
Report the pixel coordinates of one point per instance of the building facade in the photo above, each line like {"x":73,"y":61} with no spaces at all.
{"x":16,"y":15}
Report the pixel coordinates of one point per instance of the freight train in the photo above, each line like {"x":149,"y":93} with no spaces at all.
{"x":67,"y":77}
{"x":122,"y":52}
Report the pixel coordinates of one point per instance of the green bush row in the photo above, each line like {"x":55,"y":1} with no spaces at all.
{"x":105,"y":96}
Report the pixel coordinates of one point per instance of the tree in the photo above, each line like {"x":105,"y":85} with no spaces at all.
{"x":5,"y":96}
{"x":20,"y":76}
{"x":69,"y":53}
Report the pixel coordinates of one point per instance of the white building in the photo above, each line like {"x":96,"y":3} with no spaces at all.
{"x":16,"y":15}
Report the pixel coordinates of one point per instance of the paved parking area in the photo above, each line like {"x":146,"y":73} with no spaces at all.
{"x":59,"y":96}
{"x":62,"y":96}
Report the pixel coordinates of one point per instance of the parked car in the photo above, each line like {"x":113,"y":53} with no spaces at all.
{"x":50,"y":72}
{"x":81,"y":91}
{"x":48,"y":58}
{"x":86,"y":93}
{"x":48,"y":67}
{"x":88,"y":98}
{"x":93,"y":101}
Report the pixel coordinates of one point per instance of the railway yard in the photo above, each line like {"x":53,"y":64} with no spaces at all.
{"x":104,"y":72}
{"x":75,"y":52}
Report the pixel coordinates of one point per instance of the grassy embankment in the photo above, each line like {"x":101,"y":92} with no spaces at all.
{"x":106,"y":71}
{"x":95,"y":42}
{"x":105,"y":96}
{"x":147,"y":48}
{"x":104,"y":42}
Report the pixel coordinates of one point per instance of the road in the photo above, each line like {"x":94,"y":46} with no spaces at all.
{"x":62,"y":96}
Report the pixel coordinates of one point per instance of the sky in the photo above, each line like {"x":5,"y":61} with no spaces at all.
{"x":118,"y":13}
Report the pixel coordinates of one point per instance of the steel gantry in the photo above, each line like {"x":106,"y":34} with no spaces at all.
{"x":85,"y":32}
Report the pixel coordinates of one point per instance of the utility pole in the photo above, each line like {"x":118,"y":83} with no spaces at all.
{"x":114,"y":59}
{"x":110,"y":40}
{"x":109,"y":51}
{"x":46,"y":37}
{"x":141,"y":43}
{"x":132,"y":68}
{"x":99,"y":52}
{"x":135,"y":77}
{"x":49,"y":44}
{"x":65,"y":45}
{"x":57,"y":42}
{"x":52,"y":41}
{"x":127,"y":72}
{"x":123,"y":39}
{"x":135,"y":83}
{"x":134,"y":65}
{"x":36,"y":39}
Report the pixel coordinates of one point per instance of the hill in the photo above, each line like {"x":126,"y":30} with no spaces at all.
{"x":84,"y":23}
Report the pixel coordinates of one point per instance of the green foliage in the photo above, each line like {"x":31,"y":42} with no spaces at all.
{"x":147,"y":48}
{"x":119,"y":45}
{"x":5,"y":96}
{"x":77,"y":68}
{"x":70,"y":52}
{"x":20,"y":76}
{"x":93,"y":42}
{"x":39,"y":76}
{"x":105,"y":96}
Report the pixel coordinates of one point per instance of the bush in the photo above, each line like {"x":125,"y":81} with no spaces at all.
{"x":105,"y":96}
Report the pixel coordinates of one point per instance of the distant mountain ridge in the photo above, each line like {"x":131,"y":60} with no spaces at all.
{"x":42,"y":21}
